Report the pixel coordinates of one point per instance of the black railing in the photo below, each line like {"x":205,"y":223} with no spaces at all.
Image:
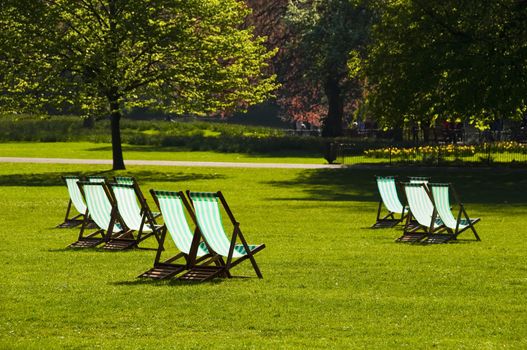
{"x":485,"y":153}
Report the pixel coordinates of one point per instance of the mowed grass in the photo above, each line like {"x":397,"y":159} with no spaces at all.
{"x":329,"y":280}
{"x":90,"y":150}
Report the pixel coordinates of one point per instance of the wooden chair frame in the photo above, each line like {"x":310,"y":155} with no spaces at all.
{"x":416,"y":232}
{"x":389,"y":220}
{"x":461,"y":213}
{"x":196,"y":268}
{"x":106,"y":234}
{"x":226,"y":266}
{"x":76,"y":220}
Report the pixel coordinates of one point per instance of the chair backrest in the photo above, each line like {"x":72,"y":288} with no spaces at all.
{"x":420,"y":203}
{"x":208,"y":217}
{"x":388,"y":192}
{"x":98,"y":203}
{"x":418,"y":180}
{"x":124,"y":180}
{"x":441,"y":195}
{"x":171,"y":206}
{"x":127,"y":205}
{"x":96,"y":178}
{"x":75,"y":193}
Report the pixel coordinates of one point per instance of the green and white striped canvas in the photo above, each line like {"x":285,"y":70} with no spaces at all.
{"x":99,"y":206}
{"x":75,"y":194}
{"x":171,"y":208}
{"x":420,"y":204}
{"x":208,"y":216}
{"x":96,"y":179}
{"x":440,"y":192}
{"x":124,"y":180}
{"x":388,"y":192}
{"x":129,"y":208}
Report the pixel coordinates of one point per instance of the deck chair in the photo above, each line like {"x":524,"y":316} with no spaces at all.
{"x":129,"y":180}
{"x":455,"y":225}
{"x":207,"y":218}
{"x":134,"y":211}
{"x":76,"y":201}
{"x":111,"y":229}
{"x":192,"y":251}
{"x":388,"y":192}
{"x":427,"y":227}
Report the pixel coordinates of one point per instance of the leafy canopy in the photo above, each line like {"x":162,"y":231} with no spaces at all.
{"x":180,"y":56}
{"x":449,"y":58}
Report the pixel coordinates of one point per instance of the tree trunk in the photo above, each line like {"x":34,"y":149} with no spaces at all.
{"x":117,"y":150}
{"x":425,"y":126}
{"x":113,"y":92}
{"x":332,"y":124}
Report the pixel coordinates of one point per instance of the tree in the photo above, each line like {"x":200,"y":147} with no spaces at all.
{"x":439,"y":59}
{"x":327,"y":34}
{"x":317,"y":40}
{"x":105,"y":56}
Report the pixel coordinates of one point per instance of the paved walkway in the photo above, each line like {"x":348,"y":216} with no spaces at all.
{"x":169,"y":163}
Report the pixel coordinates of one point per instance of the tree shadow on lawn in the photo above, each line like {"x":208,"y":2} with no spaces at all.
{"x":54,"y":178}
{"x":473,"y":185}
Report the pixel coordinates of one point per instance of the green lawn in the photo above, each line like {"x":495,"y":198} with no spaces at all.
{"x":329,"y":281}
{"x":89,"y":150}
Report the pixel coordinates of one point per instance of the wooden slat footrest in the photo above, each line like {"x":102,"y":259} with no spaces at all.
{"x":410,"y":238}
{"x":86,"y":243}
{"x":201,"y":273}
{"x":162,"y":271}
{"x":119,"y":244}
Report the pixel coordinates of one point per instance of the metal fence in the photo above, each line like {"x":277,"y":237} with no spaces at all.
{"x":492,"y":153}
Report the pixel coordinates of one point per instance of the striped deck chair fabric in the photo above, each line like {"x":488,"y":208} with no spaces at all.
{"x":388,"y":192}
{"x":75,"y":193}
{"x":134,"y":211}
{"x":422,"y":209}
{"x":208,"y":219}
{"x":441,"y":195}
{"x":75,"y":201}
{"x":171,"y":207}
{"x":129,"y":208}
{"x":124,"y":180}
{"x":129,"y":180}
{"x":99,"y":206}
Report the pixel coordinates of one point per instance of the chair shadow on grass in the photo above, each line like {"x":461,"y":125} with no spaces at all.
{"x":162,"y":283}
{"x":54,"y":178}
{"x":474,"y":185}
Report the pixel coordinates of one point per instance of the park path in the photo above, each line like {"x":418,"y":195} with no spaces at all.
{"x":169,"y":163}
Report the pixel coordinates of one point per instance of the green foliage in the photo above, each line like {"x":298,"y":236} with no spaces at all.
{"x":96,"y":58}
{"x":328,"y":37}
{"x":448,"y":59}
{"x":368,"y":293}
{"x":194,"y":135}
{"x":176,"y":56}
